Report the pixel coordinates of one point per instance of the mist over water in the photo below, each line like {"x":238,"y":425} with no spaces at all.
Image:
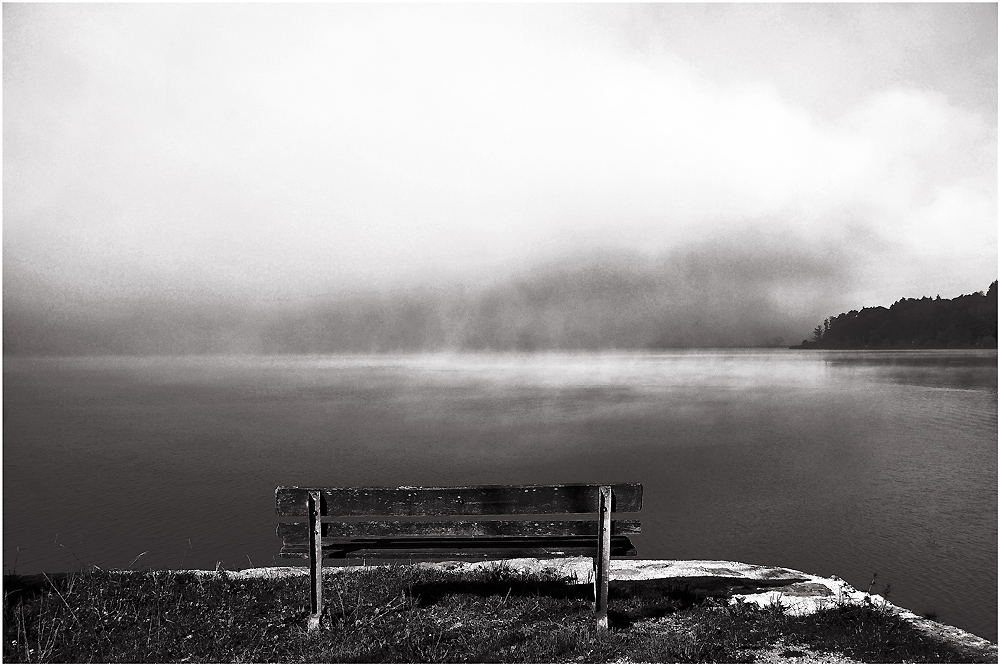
{"x":760,"y":289}
{"x":845,"y":463}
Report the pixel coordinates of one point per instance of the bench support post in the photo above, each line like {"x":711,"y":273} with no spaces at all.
{"x":602,"y":562}
{"x":315,"y":560}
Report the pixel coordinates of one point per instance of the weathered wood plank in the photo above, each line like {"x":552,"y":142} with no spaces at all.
{"x":459,"y":501}
{"x":430,"y":554}
{"x":442,"y":555}
{"x":294,"y":533}
{"x":406,"y":550}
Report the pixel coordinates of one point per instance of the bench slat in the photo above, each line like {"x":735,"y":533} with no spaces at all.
{"x":459,"y":501}
{"x":411,"y":549}
{"x":298,"y":533}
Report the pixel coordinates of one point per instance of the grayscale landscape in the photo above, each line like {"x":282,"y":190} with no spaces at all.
{"x":742,"y":254}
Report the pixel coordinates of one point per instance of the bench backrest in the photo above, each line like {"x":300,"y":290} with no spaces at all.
{"x":498,"y":513}
{"x":459,"y":500}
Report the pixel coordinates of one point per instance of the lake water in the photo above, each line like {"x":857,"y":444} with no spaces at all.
{"x":846,"y":463}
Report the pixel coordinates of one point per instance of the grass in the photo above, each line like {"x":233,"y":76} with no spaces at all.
{"x":413,"y":614}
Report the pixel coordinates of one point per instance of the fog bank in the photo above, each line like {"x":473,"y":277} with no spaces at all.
{"x":726,"y":293}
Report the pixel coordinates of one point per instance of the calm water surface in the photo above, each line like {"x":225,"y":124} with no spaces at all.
{"x":845,"y":463}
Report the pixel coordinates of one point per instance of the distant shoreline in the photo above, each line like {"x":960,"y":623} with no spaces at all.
{"x":895,"y":348}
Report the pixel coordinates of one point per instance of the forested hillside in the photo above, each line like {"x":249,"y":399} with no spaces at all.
{"x":969,"y":320}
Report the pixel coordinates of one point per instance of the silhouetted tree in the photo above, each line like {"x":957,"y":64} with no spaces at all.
{"x":969,"y":320}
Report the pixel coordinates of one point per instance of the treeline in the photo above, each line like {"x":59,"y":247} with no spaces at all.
{"x":969,"y":320}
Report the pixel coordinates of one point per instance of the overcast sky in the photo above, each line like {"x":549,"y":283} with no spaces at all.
{"x":275,"y":151}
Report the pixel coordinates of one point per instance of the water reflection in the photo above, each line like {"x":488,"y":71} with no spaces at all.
{"x":957,"y":369}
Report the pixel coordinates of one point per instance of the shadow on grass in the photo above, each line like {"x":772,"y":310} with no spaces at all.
{"x":428,"y":594}
{"x":23,"y":587}
{"x":651,"y":599}
{"x":634,"y":599}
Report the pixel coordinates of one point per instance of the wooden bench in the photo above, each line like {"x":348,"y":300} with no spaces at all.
{"x":510,"y":521}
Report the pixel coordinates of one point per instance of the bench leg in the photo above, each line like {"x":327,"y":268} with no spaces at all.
{"x":315,"y":561}
{"x":602,"y":563}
